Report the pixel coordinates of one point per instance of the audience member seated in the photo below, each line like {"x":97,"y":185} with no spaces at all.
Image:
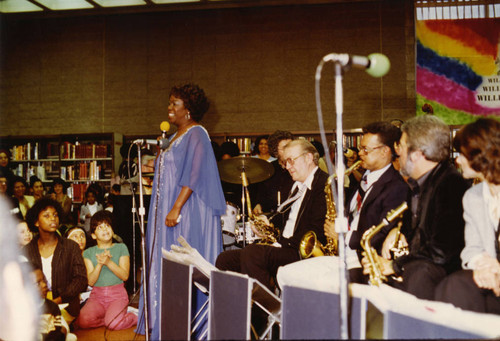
{"x":36,"y":187}
{"x":108,"y":266}
{"x":89,"y":208}
{"x":12,"y":202}
{"x":53,"y":327}
{"x":110,"y":198}
{"x":434,"y":226}
{"x":147,"y":169}
{"x":477,"y":287}
{"x":261,"y":149}
{"x":59,"y":187}
{"x":19,"y":186}
{"x":78,"y":235}
{"x":59,"y":258}
{"x":128,"y":169}
{"x":4,"y":165}
{"x":25,"y":235}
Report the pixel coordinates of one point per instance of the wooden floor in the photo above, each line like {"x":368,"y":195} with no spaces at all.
{"x":111,"y":335}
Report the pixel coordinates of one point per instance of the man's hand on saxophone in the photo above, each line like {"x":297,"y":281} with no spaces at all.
{"x":330,"y":230}
{"x":257,"y":221}
{"x":394,"y":239}
{"x":385,"y":265}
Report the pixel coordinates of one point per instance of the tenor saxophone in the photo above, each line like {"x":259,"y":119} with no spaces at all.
{"x":309,"y":244}
{"x":376,"y":275}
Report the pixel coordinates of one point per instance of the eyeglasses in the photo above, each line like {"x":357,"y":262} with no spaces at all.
{"x":291,"y":160}
{"x":368,"y":150}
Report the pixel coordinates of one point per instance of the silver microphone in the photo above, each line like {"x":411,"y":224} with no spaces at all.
{"x":162,"y":143}
{"x":376,"y":64}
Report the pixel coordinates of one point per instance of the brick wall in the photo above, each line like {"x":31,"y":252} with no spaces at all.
{"x":87,"y":74}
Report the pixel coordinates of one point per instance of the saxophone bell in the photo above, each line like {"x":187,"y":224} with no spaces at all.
{"x":310,"y":246}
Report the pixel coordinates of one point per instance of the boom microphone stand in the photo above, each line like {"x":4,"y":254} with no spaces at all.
{"x":376,"y":65}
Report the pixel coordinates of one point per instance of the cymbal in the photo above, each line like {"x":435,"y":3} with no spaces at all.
{"x":256,"y":169}
{"x":152,"y":174}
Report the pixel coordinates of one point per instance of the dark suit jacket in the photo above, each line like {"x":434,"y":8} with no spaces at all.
{"x":311,"y":215}
{"x":387,"y":193}
{"x":438,"y":235}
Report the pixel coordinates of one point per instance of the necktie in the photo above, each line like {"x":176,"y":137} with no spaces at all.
{"x":362,"y":191}
{"x":294,"y":196}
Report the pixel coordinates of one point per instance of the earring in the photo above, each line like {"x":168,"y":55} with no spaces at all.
{"x":188,"y":116}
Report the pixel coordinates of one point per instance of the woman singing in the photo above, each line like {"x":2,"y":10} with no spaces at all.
{"x":187,"y":198}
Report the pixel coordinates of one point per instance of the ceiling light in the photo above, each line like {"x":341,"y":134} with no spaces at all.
{"x":13,"y":6}
{"x":65,"y":4}
{"x":117,"y":3}
{"x":172,"y":1}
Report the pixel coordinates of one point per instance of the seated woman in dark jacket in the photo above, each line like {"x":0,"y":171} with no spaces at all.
{"x":60,"y":258}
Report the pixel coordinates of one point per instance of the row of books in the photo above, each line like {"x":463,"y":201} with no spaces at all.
{"x":352,"y":140}
{"x":77,"y":192}
{"x":243,"y":143}
{"x":82,"y":171}
{"x":34,"y":151}
{"x":83,"y":151}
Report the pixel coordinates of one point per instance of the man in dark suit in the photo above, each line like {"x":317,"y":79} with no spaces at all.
{"x":435,"y":232}
{"x":304,"y":211}
{"x":382,"y":189}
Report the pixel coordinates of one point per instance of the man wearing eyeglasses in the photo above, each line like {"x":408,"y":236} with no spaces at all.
{"x":303,"y":211}
{"x":381,"y":189}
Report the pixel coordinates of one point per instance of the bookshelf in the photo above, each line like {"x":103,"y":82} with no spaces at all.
{"x":245,"y":141}
{"x":79,"y":159}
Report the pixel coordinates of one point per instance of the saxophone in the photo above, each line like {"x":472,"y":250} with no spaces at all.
{"x":268,"y":233}
{"x":309,"y":244}
{"x":376,"y":275}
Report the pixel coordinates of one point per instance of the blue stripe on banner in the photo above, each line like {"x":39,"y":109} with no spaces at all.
{"x":450,"y":68}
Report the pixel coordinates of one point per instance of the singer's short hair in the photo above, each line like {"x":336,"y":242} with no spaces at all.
{"x":194,"y":98}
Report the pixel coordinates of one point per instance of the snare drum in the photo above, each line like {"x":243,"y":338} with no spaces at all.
{"x":250,"y":235}
{"x":228,"y":220}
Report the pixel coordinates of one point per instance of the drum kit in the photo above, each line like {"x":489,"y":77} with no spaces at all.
{"x":237,"y":170}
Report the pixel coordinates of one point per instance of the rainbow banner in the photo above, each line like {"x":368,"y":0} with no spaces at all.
{"x":458,"y":68}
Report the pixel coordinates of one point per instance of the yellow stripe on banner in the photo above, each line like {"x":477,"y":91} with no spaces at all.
{"x":447,"y":47}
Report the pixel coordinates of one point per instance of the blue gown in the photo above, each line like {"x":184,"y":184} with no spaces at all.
{"x":189,"y":161}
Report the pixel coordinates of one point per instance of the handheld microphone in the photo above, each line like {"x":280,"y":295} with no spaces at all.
{"x":376,"y":64}
{"x":164,"y":127}
{"x":163,"y":143}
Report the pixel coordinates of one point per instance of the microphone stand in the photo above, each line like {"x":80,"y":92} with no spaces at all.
{"x":142,"y":212}
{"x":341,"y":220}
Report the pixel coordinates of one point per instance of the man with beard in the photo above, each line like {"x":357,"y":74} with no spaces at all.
{"x":435,"y":230}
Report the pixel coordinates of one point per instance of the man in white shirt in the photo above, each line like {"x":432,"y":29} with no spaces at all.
{"x":381,"y":189}
{"x":296,"y":216}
